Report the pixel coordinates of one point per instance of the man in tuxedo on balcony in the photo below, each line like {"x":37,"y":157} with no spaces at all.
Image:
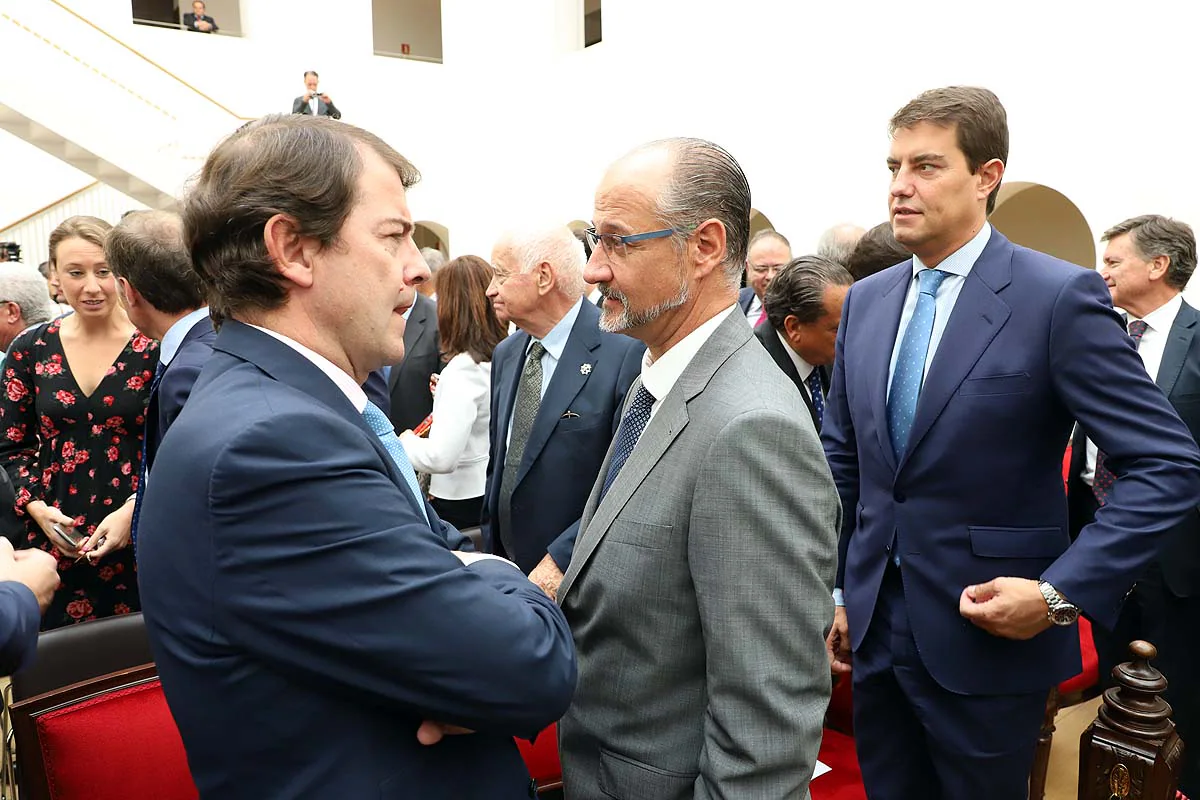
{"x":313,"y":102}
{"x":558,"y":385}
{"x":804,"y":307}
{"x":958,"y":376}
{"x":1147,"y":263}
{"x":290,"y":568}
{"x":768,"y":253}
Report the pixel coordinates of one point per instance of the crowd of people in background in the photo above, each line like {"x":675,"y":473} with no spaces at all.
{"x":655,"y":480}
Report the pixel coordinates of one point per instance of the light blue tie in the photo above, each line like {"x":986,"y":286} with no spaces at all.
{"x":910,"y":362}
{"x":382,"y":426}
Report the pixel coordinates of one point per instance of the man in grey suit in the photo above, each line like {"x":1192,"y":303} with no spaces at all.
{"x":700,"y":586}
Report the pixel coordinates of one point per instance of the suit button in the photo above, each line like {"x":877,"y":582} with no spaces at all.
{"x":899,"y":496}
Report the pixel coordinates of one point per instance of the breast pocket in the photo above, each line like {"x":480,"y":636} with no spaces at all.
{"x":640,"y":534}
{"x":1011,"y":383}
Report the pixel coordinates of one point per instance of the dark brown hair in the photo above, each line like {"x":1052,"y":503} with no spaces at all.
{"x":876,"y":251}
{"x":306,"y":168}
{"x":981,"y":124}
{"x":146,"y":248}
{"x":466,"y":321}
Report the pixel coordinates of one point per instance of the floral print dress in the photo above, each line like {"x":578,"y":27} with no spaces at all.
{"x":79,"y":452}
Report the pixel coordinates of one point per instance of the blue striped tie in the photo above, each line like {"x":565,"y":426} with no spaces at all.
{"x":382,"y":426}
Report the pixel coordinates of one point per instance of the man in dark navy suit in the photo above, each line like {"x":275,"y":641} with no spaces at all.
{"x":554,"y":417}
{"x":1147,"y":264}
{"x":305,"y":606}
{"x":769,"y":252}
{"x":28,"y":580}
{"x":958,"y":376}
{"x":804,"y":307}
{"x":164,"y":298}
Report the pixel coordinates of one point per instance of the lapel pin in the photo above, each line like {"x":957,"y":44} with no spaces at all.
{"x":585,"y":369}
{"x":570,"y":415}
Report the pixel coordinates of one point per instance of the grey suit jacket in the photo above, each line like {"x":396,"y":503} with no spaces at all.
{"x":699,"y":594}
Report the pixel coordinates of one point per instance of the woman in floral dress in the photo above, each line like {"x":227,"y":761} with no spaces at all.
{"x":73,"y":413}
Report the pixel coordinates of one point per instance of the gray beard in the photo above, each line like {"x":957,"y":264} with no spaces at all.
{"x":628,"y":319}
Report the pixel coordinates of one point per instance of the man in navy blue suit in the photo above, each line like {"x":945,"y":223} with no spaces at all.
{"x":958,"y":376}
{"x":28,"y":580}
{"x":315,"y":633}
{"x":553,"y":418}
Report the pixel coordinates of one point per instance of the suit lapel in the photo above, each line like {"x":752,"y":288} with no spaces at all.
{"x":1179,"y":344}
{"x":878,"y":362}
{"x":666,"y":426}
{"x":569,"y":379}
{"x":506,"y":393}
{"x":978,"y":316}
{"x":414,"y":330}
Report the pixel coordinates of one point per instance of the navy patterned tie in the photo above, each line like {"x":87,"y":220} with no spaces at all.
{"x":637,"y":416}
{"x":910,"y":361}
{"x":818,"y":397}
{"x":382,"y":426}
{"x":1102,"y":478}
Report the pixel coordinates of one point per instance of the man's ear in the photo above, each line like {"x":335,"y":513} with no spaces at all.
{"x":291,"y":251}
{"x":708,"y":244}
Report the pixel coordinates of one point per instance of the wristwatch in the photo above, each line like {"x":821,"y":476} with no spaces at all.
{"x":1061,"y":612}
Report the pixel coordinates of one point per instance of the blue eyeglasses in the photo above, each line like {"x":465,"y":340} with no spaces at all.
{"x":614,"y":243}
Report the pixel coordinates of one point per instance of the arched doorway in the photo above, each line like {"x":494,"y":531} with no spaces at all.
{"x":432,"y":234}
{"x":759,"y":222}
{"x":1040,"y":218}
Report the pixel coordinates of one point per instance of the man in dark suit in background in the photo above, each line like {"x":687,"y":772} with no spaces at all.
{"x":28,"y":580}
{"x":290,"y":569}
{"x":1147,"y":264}
{"x":958,"y":376}
{"x":312,"y":102}
{"x":804,"y":307}
{"x":768,"y":253}
{"x":197,"y":20}
{"x":554,"y":417}
{"x":164,"y":298}
{"x":408,"y":380}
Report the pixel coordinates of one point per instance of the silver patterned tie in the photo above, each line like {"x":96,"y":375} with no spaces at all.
{"x":529,"y":400}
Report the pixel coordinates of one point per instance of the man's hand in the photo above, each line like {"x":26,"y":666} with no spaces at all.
{"x":432,"y":732}
{"x":307,"y":96}
{"x":1010,"y":607}
{"x":111,"y":534}
{"x":547,"y":576}
{"x":325,"y":98}
{"x":36,"y":569}
{"x":203,"y":25}
{"x":837,"y":643}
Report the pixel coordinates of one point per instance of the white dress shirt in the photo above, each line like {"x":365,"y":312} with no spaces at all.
{"x":1151,"y":349}
{"x":803,"y":367}
{"x":755,"y":310}
{"x":354,"y":393}
{"x":173,"y":338}
{"x":456,"y":451}
{"x":554,"y":342}
{"x":312,"y":105}
{"x":660,"y":376}
{"x":958,"y":264}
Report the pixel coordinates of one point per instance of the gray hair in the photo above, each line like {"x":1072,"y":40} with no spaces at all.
{"x":26,"y":287}
{"x":799,"y":289}
{"x":838,"y":242}
{"x":556,"y":246}
{"x":1154,"y":235}
{"x":706,"y":183}
{"x":768,"y":234}
{"x":434,"y":259}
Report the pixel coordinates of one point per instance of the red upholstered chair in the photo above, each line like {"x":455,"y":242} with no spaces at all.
{"x":107,"y":738}
{"x":541,"y":759}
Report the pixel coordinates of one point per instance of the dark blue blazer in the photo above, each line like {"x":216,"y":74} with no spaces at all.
{"x":168,"y":397}
{"x":564,"y":453}
{"x":745,"y":298}
{"x":20,"y":619}
{"x":304,"y":616}
{"x":1032,"y":345}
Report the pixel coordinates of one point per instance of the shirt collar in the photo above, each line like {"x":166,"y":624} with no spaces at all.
{"x":354,"y":393}
{"x":1162,"y":318}
{"x":660,"y":376}
{"x":803,"y":367}
{"x":556,"y":340}
{"x":961,"y":260}
{"x":173,"y":338}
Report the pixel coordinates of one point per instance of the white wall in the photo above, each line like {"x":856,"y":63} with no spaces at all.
{"x":516,"y":125}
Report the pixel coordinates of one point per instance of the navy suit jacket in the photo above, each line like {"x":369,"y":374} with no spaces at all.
{"x":20,"y":619}
{"x":564,"y":453}
{"x":1179,"y":379}
{"x":408,"y":383}
{"x":167,"y":399}
{"x":305,"y":617}
{"x":1032,"y":345}
{"x":745,"y":298}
